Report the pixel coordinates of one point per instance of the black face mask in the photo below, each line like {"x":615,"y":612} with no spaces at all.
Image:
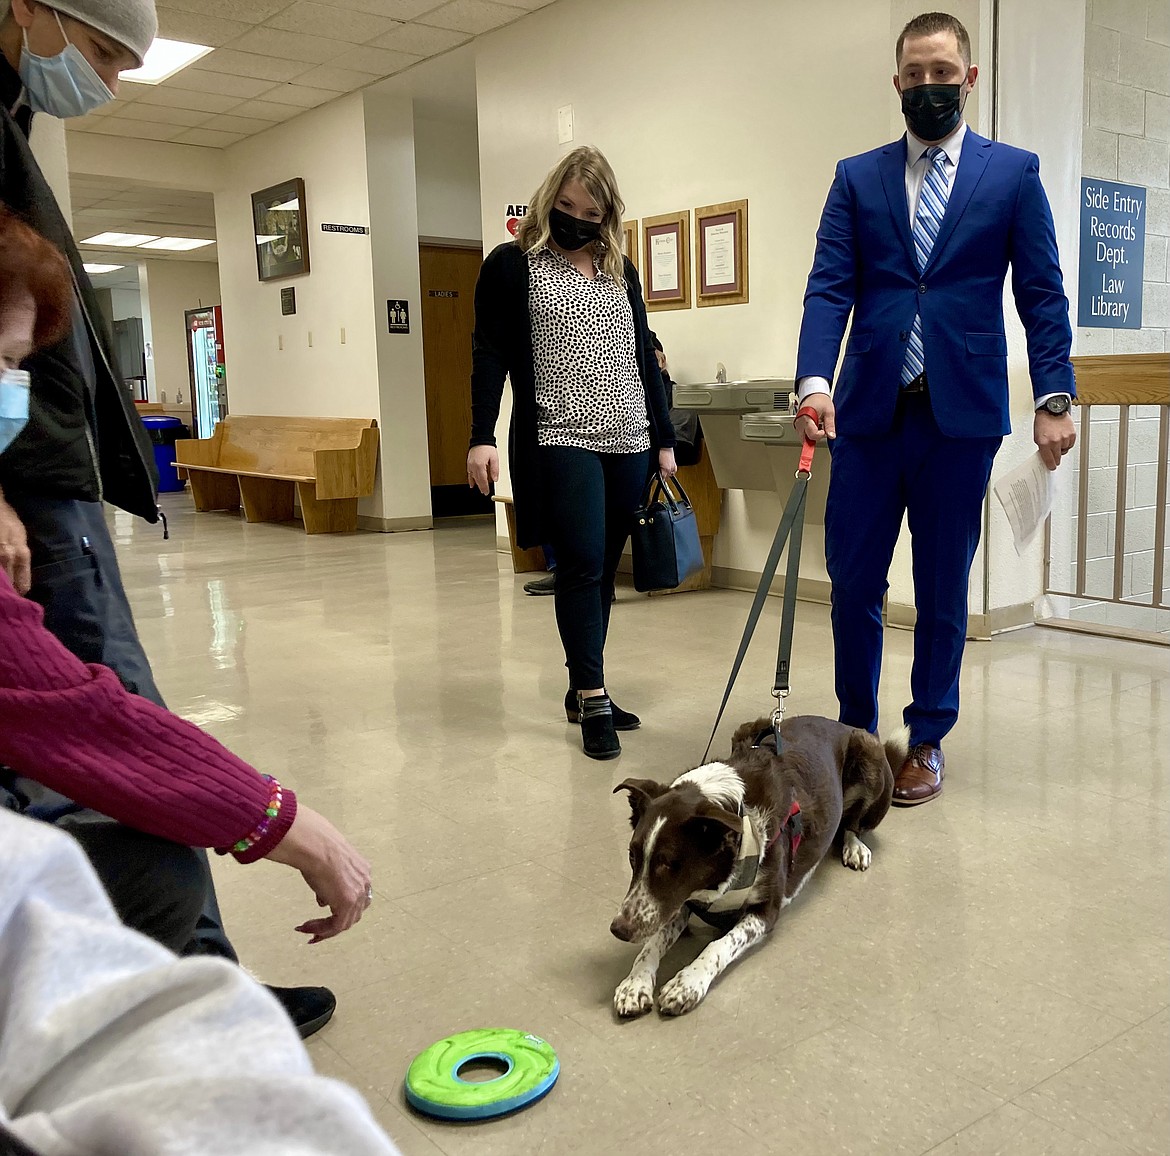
{"x":932,"y":111}
{"x":571,"y":233}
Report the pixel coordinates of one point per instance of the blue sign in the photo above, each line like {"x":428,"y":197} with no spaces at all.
{"x":1113,"y":250}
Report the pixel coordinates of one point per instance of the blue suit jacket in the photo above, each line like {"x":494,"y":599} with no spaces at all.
{"x":997,"y":215}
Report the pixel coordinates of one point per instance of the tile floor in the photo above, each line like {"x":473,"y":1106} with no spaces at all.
{"x":998,"y":982}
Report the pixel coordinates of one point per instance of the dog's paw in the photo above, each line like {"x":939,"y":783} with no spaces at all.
{"x":634,"y":997}
{"x":855,"y":853}
{"x":682,"y":994}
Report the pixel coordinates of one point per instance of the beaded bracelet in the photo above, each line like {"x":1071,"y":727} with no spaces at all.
{"x":275,"y":798}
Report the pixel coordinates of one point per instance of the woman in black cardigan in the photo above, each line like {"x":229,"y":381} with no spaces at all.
{"x":560,"y":311}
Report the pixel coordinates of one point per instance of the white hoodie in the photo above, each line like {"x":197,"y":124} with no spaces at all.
{"x":111,"y":1046}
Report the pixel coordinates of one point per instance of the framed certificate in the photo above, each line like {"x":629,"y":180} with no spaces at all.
{"x":630,"y":241}
{"x":666,"y":261}
{"x":721,"y":254}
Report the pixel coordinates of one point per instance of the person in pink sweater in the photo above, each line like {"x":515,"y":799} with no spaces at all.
{"x":135,"y":785}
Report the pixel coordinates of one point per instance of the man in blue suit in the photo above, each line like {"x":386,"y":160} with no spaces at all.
{"x":915,"y":240}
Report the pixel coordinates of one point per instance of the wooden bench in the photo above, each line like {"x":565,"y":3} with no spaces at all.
{"x":260,"y":462}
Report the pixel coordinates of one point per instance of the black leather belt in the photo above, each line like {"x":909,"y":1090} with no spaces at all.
{"x":918,"y":385}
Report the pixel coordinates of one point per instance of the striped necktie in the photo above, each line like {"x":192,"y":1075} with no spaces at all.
{"x":932,"y":204}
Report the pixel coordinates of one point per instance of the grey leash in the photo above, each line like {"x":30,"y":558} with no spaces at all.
{"x":791,"y":530}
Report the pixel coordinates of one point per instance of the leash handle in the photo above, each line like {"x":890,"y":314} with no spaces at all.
{"x":791,"y":524}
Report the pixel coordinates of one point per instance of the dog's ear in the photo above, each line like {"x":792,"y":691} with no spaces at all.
{"x":642,"y":793}
{"x":713,"y":825}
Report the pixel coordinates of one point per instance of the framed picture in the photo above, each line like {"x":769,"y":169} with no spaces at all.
{"x":666,"y":261}
{"x":281,"y":230}
{"x":630,"y":242}
{"x":721,"y":254}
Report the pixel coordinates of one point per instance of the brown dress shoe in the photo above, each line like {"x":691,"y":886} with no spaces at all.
{"x":921,"y":776}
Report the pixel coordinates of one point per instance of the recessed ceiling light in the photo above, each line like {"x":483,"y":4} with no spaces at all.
{"x":94,"y":269}
{"x":163,"y":59}
{"x":120,"y":240}
{"x":179,"y":244}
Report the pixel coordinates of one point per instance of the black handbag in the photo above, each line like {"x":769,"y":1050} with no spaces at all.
{"x":665,"y":538}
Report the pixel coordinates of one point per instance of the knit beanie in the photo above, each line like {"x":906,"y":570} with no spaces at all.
{"x":132,"y":23}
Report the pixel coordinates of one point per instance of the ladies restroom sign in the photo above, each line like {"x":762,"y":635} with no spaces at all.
{"x":1113,"y":244}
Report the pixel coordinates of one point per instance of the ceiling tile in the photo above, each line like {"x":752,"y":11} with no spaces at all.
{"x":235,"y":63}
{"x":420,"y":39}
{"x":531,"y":5}
{"x":338,"y":23}
{"x":245,"y":125}
{"x":299,"y":95}
{"x":338,"y":79}
{"x":143,"y":130}
{"x":175,"y":24}
{"x":181,"y":98}
{"x":395,"y":9}
{"x":251,"y":11}
{"x":266,"y":110}
{"x":472,"y":16}
{"x":378,"y":61}
{"x":209,"y":138}
{"x":290,"y":45}
{"x":160,"y":114}
{"x":196,"y":80}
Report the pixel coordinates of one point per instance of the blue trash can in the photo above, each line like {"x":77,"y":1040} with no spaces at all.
{"x":164,"y":432}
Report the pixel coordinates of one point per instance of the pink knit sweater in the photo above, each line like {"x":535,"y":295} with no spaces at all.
{"x":75,"y":729}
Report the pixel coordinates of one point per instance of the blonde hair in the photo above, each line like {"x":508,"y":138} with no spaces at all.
{"x":587,"y":165}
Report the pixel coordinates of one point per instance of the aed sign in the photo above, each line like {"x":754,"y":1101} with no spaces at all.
{"x":513,"y":215}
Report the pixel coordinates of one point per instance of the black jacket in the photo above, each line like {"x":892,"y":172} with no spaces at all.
{"x":502,"y":347}
{"x":84,"y":439}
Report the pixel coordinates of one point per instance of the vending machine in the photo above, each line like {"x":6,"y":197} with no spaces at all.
{"x":208,"y":374}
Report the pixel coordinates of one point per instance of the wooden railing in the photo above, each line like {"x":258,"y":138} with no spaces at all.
{"x":1123,"y":380}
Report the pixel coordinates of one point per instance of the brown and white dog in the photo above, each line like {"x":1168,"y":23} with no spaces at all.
{"x":735,"y":842}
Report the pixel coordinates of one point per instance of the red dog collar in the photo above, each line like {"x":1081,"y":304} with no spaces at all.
{"x":795,"y":823}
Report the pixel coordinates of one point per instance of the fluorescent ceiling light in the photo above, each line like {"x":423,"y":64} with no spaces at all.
{"x":178,"y":244}
{"x":163,"y":59}
{"x":94,"y":269}
{"x":292,"y":206}
{"x":120,"y":240}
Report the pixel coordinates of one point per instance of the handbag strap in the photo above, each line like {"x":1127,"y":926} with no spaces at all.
{"x":790,"y":529}
{"x":656,"y":484}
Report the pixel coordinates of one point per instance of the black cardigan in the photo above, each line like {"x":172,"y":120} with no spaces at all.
{"x":502,"y":347}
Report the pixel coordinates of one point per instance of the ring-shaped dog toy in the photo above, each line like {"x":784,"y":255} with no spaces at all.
{"x":434,"y":1086}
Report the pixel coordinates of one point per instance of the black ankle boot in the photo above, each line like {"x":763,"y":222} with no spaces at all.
{"x":597,"y":733}
{"x":623,"y":720}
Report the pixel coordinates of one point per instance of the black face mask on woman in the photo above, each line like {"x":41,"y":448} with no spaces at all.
{"x":572,"y":233}
{"x":932,"y":111}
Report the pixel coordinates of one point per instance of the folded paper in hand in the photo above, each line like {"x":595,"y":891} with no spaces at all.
{"x":1026,"y":494}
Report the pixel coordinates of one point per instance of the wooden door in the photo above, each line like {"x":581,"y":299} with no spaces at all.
{"x":448,"y":316}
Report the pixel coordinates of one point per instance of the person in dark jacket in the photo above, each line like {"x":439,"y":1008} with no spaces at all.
{"x":560,"y":311}
{"x":84,"y":442}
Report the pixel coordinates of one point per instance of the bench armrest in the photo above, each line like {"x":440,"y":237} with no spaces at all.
{"x":199,"y":451}
{"x":347,"y":473}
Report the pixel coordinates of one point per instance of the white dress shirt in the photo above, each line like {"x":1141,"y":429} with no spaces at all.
{"x":916,"y":163}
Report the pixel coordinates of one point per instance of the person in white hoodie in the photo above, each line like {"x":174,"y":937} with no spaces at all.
{"x":110,"y":1045}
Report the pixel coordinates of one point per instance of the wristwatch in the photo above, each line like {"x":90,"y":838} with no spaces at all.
{"x":1056,"y":405}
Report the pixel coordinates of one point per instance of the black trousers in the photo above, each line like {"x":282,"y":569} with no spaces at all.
{"x":589,"y":499}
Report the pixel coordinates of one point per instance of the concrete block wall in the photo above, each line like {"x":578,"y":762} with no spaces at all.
{"x":1127,"y":139}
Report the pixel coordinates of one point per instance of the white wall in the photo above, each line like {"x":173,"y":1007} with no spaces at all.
{"x":699,"y":121}
{"x":125,"y":303}
{"x":166,"y":289}
{"x":331,"y":359}
{"x":405,"y":482}
{"x":446,"y":156}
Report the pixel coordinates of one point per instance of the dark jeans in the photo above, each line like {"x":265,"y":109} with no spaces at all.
{"x":589,"y":500}
{"x":77,"y":581}
{"x":156,"y":887}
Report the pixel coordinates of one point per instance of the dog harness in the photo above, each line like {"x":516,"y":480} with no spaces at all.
{"x":723,"y":909}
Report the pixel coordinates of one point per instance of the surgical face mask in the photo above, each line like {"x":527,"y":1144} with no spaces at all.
{"x":932,"y":111}
{"x":64,"y":85}
{"x":570,"y":232}
{"x":13,"y":405}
